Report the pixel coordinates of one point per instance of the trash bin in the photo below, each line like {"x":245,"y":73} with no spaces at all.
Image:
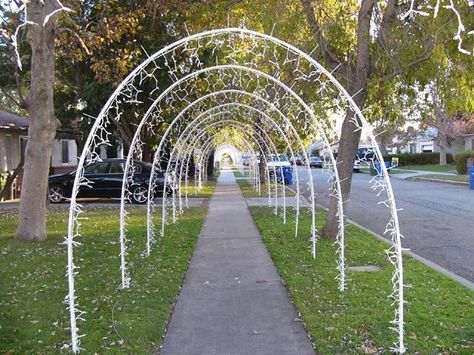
{"x":288,"y":175}
{"x":378,"y":168}
{"x":470,"y":171}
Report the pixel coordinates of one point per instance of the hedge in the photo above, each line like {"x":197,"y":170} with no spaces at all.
{"x":461,"y":161}
{"x":419,"y":158}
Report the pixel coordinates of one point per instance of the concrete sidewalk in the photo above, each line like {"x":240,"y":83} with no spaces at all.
{"x":233,"y":300}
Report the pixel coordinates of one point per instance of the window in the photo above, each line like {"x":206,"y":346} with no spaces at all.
{"x":116,"y":167}
{"x":427,"y":148}
{"x":97,"y":168}
{"x":65,"y":151}
{"x":23,"y":141}
{"x":283,"y":158}
{"x":412,"y":148}
{"x":9,"y":151}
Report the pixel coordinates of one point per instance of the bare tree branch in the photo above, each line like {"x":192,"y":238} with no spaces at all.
{"x":11,"y":179}
{"x":323,"y":48}
{"x":425,"y":56}
{"x":79,"y":39}
{"x":10,"y":97}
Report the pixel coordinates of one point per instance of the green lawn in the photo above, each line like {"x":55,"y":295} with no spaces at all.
{"x":33,"y":285}
{"x":457,"y":178}
{"x":450,"y":168}
{"x":439,"y":312}
{"x":249,"y":191}
{"x":206,"y":191}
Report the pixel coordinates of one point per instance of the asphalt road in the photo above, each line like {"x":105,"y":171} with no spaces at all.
{"x":437,"y":219}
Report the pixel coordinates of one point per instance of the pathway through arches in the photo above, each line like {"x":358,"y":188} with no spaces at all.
{"x":233,"y":301}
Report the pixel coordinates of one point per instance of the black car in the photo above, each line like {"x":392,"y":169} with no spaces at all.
{"x":106,"y":181}
{"x":298,"y":159}
{"x":315,"y":162}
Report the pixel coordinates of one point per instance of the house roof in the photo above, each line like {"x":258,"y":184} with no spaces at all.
{"x":11,"y":121}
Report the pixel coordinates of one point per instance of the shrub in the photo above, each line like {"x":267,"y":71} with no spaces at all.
{"x":461,"y":161}
{"x":419,"y":158}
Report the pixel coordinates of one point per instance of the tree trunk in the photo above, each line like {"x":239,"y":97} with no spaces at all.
{"x":350,"y":134}
{"x":442,"y":123}
{"x":442,"y":157}
{"x":442,"y":153}
{"x":42,"y":129}
{"x":262,"y":171}
{"x":262,"y":166}
{"x":348,"y":144}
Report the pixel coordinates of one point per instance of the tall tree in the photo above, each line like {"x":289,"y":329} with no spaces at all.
{"x":450,"y":127}
{"x":387,"y":45}
{"x":42,"y":20}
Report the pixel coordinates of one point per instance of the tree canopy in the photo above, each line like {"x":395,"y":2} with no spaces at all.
{"x":100,"y":42}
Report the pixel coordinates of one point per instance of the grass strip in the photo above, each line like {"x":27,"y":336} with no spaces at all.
{"x":206,"y":191}
{"x":248,"y":190}
{"x":455,"y":178}
{"x":439,"y":312}
{"x":34,"y":319}
{"x":450,"y":168}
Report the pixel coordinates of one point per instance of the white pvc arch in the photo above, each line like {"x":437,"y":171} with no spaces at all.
{"x":234,"y":123}
{"x":189,"y":130}
{"x":125,"y":278}
{"x":230,"y":150}
{"x":274,"y":109}
{"x":99,"y":133}
{"x":192,"y":144}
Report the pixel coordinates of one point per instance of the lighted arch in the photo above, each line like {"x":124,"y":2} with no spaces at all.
{"x":307,"y":70}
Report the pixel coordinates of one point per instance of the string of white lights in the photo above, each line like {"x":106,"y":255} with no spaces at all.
{"x":233,"y":51}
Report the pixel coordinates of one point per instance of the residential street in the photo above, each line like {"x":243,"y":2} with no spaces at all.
{"x":437,"y":219}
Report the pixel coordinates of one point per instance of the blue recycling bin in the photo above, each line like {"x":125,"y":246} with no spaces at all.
{"x":287,"y":173}
{"x":470,"y":171}
{"x":388,"y":165}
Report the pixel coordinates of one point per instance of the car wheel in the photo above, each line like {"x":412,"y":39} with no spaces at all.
{"x":139,"y":195}
{"x":56,"y":194}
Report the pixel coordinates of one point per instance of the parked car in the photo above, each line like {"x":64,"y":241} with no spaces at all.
{"x":363,"y":159}
{"x":298,"y":159}
{"x":279,"y":160}
{"x":357,"y":162}
{"x":315,"y":162}
{"x":106,"y":181}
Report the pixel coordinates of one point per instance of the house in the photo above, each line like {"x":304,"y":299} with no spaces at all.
{"x":319,"y":148}
{"x":13,"y":139}
{"x":469,"y":141}
{"x":425,"y":142}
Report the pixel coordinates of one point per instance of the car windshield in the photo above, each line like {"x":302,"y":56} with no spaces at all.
{"x":283,"y":157}
{"x":116,"y":167}
{"x":96,"y":168}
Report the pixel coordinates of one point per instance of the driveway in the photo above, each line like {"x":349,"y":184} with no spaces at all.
{"x":437,"y":219}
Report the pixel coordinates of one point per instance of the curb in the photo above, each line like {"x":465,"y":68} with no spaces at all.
{"x":414,"y":178}
{"x":429,"y":263}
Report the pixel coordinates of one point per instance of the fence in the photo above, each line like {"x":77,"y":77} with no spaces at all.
{"x":14,"y":190}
